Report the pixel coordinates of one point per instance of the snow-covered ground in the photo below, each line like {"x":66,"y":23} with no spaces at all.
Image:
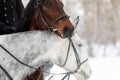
{"x":105,"y":68}
{"x":57,"y":69}
{"x":102,"y":69}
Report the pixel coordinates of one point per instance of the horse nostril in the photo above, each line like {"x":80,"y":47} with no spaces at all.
{"x":68,"y":31}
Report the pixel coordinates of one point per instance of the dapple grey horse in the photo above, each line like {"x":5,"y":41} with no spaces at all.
{"x":38,"y":48}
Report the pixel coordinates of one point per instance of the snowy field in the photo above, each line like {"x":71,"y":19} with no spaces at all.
{"x":105,"y":68}
{"x":102,"y":69}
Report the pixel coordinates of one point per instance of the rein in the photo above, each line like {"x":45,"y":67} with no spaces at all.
{"x":7,"y":74}
{"x":79,"y":63}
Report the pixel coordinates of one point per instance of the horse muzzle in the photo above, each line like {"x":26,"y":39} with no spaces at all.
{"x":68,"y":32}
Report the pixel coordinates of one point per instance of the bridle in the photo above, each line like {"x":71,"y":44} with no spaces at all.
{"x":50,"y":26}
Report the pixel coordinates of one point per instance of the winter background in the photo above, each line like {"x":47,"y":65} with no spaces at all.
{"x":99,"y":26}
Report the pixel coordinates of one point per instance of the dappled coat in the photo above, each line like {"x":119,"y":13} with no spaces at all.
{"x":10,"y":14}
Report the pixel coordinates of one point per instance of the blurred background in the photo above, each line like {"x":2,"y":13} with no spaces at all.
{"x":99,"y":26}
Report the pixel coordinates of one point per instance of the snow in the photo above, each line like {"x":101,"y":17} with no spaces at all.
{"x":102,"y":69}
{"x":57,"y":69}
{"x":100,"y":50}
{"x":105,"y":68}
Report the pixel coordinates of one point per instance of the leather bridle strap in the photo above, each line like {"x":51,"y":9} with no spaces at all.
{"x":16,"y":58}
{"x":59,"y":18}
{"x":76,"y":53}
{"x":4,"y":70}
{"x":10,"y":78}
{"x":51,"y":25}
{"x":41,"y":15}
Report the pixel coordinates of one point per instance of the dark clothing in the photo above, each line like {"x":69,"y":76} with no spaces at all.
{"x":10,"y":14}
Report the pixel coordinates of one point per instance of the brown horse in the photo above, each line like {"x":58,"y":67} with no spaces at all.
{"x":45,"y":15}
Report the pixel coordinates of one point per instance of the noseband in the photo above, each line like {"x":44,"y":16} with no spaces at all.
{"x":50,"y":26}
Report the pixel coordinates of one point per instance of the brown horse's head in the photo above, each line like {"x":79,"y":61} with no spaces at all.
{"x":49,"y":15}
